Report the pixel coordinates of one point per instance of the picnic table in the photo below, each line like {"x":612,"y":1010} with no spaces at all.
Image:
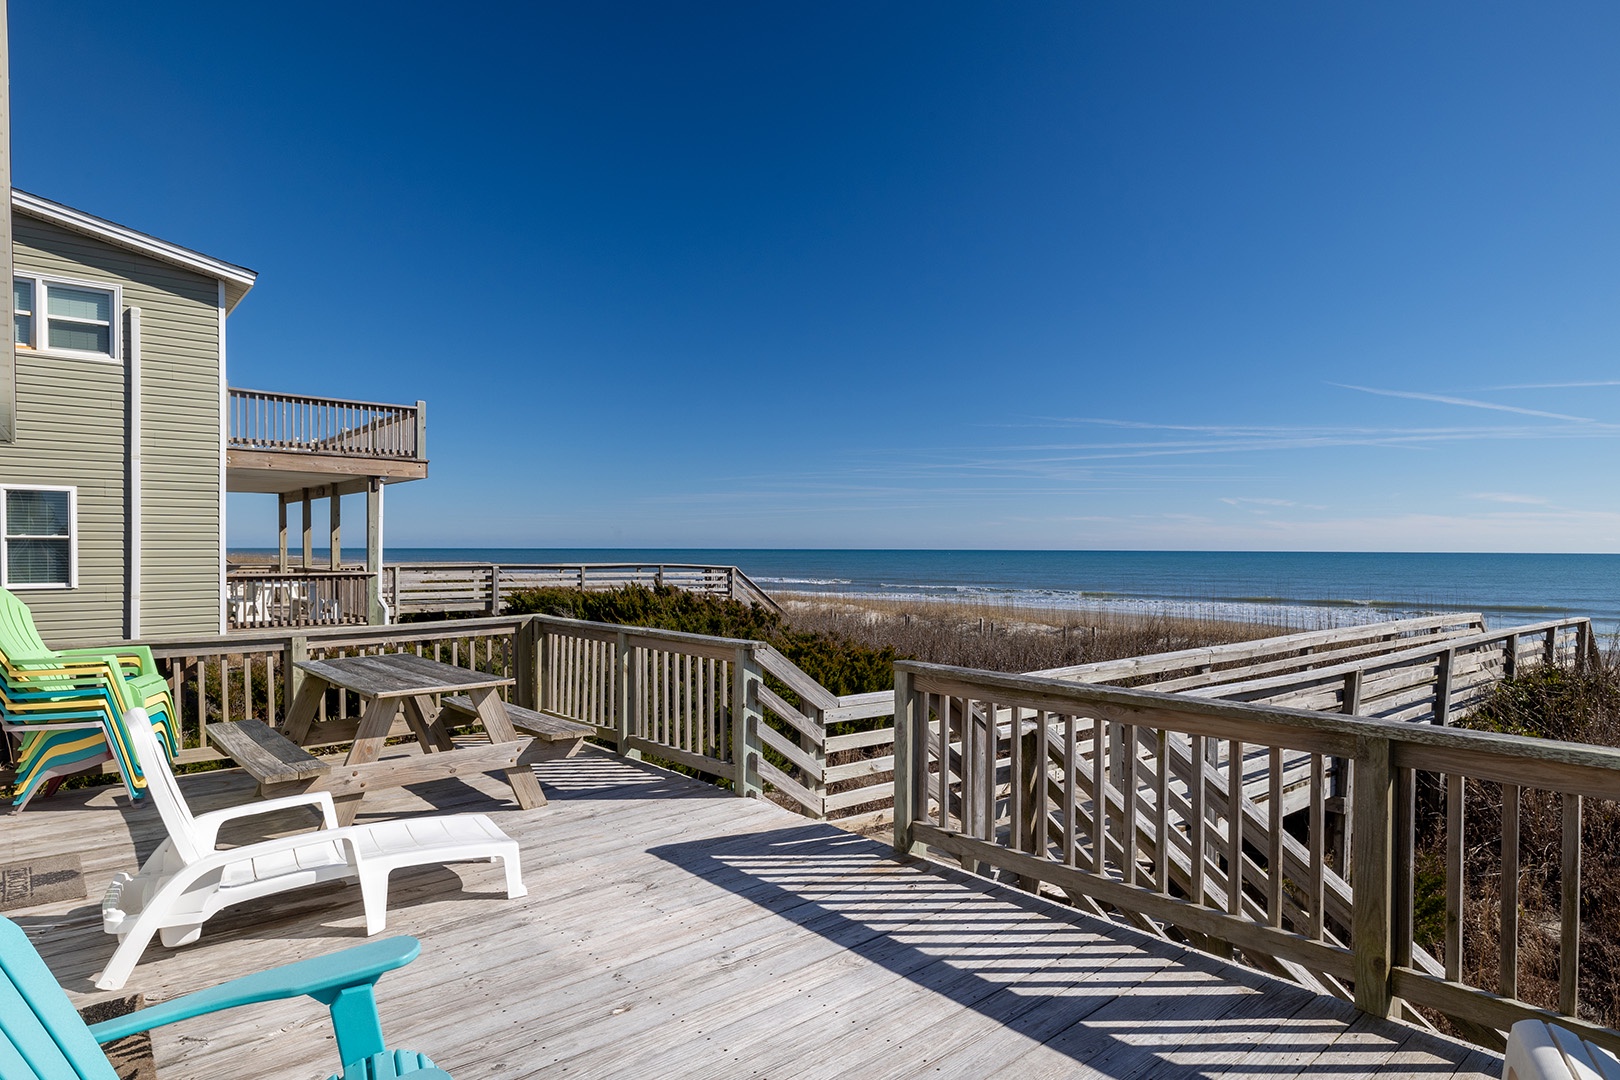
{"x":386,"y":685}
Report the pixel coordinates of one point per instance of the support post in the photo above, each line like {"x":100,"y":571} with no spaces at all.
{"x":281,"y":531}
{"x":335,"y":542}
{"x":421,"y":429}
{"x":374,"y":551}
{"x":626,"y":691}
{"x":1031,"y":781}
{"x":526,"y":663}
{"x":818,"y":752}
{"x":1341,"y":825}
{"x":545,"y":692}
{"x":297,"y":649}
{"x":1442,"y":688}
{"x":494,"y":590}
{"x":309,"y":533}
{"x":745,"y":720}
{"x":1370,"y":869}
{"x":908,"y":794}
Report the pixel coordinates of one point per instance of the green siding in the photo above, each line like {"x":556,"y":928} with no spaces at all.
{"x":72,"y":429}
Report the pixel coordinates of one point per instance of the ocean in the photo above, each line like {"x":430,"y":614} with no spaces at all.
{"x":1303,"y":589}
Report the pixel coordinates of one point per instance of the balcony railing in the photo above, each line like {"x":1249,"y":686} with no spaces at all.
{"x":258,"y":600}
{"x":315,"y":425}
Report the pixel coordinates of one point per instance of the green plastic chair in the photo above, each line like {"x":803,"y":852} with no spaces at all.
{"x":67,"y":708}
{"x":43,"y":1038}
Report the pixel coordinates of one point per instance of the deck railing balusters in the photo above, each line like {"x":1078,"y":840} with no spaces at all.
{"x":1298,"y":909}
{"x":269,"y":421}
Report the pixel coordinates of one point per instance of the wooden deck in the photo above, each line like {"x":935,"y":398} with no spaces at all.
{"x":672,"y":930}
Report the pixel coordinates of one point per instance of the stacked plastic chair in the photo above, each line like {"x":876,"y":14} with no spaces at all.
{"x":67,"y":708}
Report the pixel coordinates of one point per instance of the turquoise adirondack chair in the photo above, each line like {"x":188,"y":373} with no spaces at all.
{"x":67,"y":708}
{"x":43,"y":1038}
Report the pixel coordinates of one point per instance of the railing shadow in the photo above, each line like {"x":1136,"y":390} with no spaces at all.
{"x":1070,"y":988}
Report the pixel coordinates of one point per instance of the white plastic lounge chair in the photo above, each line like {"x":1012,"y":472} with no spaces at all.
{"x":187,"y":879}
{"x":1538,"y":1051}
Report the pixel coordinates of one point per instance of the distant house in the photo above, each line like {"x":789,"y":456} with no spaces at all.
{"x":127,"y":437}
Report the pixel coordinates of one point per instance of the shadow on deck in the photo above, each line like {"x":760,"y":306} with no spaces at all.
{"x":674,"y":931}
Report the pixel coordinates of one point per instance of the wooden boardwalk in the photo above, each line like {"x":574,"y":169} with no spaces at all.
{"x":672,"y":930}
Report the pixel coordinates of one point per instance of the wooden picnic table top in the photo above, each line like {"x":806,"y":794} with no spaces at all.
{"x":398,"y":675}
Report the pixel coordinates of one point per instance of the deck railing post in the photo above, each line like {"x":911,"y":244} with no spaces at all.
{"x":746,"y":748}
{"x":818,"y":752}
{"x":908,"y":793}
{"x":1031,"y":803}
{"x":547,"y":689}
{"x":494,"y":590}
{"x":1371,"y":870}
{"x":626,"y":692}
{"x":526,"y":644}
{"x":296,"y":648}
{"x":1442,"y":687}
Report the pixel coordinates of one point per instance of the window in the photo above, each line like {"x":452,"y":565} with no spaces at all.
{"x":37,"y":537}
{"x":68,"y":317}
{"x":22,"y":312}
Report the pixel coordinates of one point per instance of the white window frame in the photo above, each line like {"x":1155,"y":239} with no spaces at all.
{"x":41,"y":319}
{"x":72,"y":538}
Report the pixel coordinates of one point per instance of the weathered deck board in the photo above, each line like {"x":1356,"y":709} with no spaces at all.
{"x":672,"y":930}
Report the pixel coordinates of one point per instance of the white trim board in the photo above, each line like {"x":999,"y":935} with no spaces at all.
{"x":133,"y":352}
{"x":125,"y":237}
{"x":224,"y":434}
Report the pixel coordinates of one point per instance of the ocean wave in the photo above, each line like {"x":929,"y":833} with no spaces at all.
{"x":803,"y":581}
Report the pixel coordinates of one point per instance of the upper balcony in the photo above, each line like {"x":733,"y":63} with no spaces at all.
{"x":281,"y":443}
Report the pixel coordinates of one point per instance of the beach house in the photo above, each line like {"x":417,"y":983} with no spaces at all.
{"x":126,"y":437}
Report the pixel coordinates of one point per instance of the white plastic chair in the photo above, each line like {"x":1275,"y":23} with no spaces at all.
{"x":1540,"y":1051}
{"x":188,"y":878}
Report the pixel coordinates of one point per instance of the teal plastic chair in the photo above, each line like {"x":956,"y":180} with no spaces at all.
{"x":43,"y":1038}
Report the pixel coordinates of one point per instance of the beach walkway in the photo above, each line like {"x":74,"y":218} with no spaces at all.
{"x":673,"y":930}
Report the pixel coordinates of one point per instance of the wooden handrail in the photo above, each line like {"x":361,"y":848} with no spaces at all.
{"x":1301,"y":646}
{"x":261,"y":420}
{"x":306,"y":598}
{"x":475,"y":586}
{"x":1113,"y":796}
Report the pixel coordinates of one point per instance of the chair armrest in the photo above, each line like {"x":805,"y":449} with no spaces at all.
{"x":342,"y":981}
{"x":208,"y":824}
{"x":141,"y":653}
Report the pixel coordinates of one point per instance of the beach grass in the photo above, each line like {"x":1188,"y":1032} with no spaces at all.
{"x":998,"y":636}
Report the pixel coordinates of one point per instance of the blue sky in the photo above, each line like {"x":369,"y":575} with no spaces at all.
{"x":1133,"y":275}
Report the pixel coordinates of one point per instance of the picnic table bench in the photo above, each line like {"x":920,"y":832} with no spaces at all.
{"x":518,"y":737}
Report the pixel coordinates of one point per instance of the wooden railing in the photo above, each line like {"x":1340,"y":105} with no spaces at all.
{"x":725,"y":707}
{"x":732,"y":709}
{"x":251,"y":673}
{"x":1109,"y":796}
{"x":293,"y":422}
{"x":1185,"y":669}
{"x":261,"y":599}
{"x":1429,"y":680}
{"x":1136,"y":803}
{"x":411,"y":588}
